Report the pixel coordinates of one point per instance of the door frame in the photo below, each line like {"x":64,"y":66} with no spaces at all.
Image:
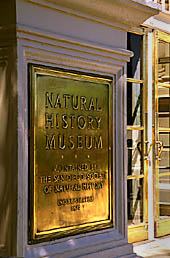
{"x":162,"y":227}
{"x":139,"y":232}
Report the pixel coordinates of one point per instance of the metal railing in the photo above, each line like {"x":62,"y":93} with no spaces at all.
{"x":165,"y":5}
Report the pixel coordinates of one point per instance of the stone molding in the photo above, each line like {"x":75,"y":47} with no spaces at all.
{"x":45,"y":50}
{"x":64,"y":50}
{"x":159,"y":22}
{"x":121,"y":14}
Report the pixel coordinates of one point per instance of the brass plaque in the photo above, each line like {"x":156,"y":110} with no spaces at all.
{"x":70,"y":153}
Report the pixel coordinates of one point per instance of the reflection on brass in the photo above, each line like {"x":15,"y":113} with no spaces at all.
{"x":70,"y":152}
{"x":161,"y":128}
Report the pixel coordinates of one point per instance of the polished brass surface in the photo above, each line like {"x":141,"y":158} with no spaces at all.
{"x":162,"y":133}
{"x":133,"y":127}
{"x":135,"y":80}
{"x":71,"y":153}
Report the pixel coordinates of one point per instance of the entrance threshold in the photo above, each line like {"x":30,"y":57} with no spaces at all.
{"x":159,"y":247}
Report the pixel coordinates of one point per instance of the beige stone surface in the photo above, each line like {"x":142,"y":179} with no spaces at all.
{"x":159,"y":247}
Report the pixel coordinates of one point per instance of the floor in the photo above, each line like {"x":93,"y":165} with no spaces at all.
{"x":159,"y":247}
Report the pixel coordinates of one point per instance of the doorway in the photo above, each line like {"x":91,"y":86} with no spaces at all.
{"x":139,"y":93}
{"x":136,"y":142}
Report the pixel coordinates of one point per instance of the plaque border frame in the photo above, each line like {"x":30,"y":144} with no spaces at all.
{"x":33,"y":236}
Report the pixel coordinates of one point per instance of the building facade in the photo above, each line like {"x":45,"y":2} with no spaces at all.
{"x":85,"y":128}
{"x":148,"y":106}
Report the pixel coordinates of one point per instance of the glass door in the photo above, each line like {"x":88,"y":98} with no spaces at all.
{"x":162,"y":135}
{"x":136,"y":143}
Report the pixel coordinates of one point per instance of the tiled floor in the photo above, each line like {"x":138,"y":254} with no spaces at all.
{"x":160,"y":247}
